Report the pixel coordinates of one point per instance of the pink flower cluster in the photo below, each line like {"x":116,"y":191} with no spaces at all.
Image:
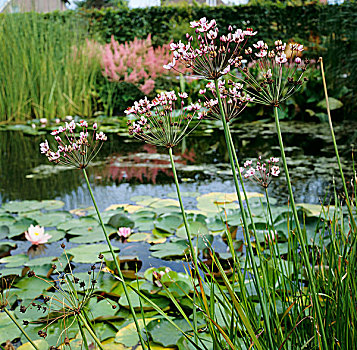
{"x":75,"y":149}
{"x":124,"y":232}
{"x":136,"y":62}
{"x":261,"y":172}
{"x":162,"y":121}
{"x":281,"y":70}
{"x":214,"y":54}
{"x":234,"y":99}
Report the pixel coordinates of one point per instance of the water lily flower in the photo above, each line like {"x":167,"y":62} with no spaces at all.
{"x":36,"y":235}
{"x":76,"y":148}
{"x":124,"y":232}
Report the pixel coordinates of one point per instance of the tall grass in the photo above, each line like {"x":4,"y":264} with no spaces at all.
{"x":45,"y":71}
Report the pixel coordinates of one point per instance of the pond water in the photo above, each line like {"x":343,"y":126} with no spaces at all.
{"x":126,"y":168}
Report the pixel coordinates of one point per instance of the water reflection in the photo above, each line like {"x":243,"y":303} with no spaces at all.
{"x":127,"y":167}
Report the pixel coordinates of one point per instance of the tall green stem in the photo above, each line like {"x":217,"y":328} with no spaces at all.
{"x":90,"y":331}
{"x":187,"y":227}
{"x":262,"y":299}
{"x":13,"y":319}
{"x":335,"y":145}
{"x":115,"y":260}
{"x":300,"y":236}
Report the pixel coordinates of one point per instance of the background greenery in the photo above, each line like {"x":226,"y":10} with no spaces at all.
{"x":39,"y":70}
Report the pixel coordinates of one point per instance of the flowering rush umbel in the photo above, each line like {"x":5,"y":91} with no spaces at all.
{"x":280,"y":71}
{"x":165,"y":120}
{"x":210,"y":55}
{"x":234,"y":100}
{"x":261,"y":172}
{"x":76,"y":144}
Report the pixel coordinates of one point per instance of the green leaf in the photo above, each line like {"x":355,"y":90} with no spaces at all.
{"x":88,"y":254}
{"x":196,"y":229}
{"x":170,"y":250}
{"x":333,"y":103}
{"x":120,"y":220}
{"x":168,"y":223}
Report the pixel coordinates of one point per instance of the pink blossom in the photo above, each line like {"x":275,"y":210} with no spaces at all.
{"x":124,"y":232}
{"x":36,"y":235}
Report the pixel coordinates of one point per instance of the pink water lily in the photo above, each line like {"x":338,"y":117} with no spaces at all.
{"x":36,"y":235}
{"x":124,"y":232}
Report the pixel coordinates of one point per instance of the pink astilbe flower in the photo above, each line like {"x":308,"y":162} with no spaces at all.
{"x":164,"y":121}
{"x":211,"y":55}
{"x":74,"y":147}
{"x":136,"y":62}
{"x":234,"y":100}
{"x":263,"y":172}
{"x":36,"y":235}
{"x":280,"y":72}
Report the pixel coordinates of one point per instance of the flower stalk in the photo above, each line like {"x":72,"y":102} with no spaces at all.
{"x":117,"y":266}
{"x":335,"y":145}
{"x":262,"y":300}
{"x":305,"y":256}
{"x":90,"y":331}
{"x":187,"y":227}
{"x":13,"y":319}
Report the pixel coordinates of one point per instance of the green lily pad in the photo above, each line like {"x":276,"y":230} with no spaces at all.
{"x":50,"y":204}
{"x":164,"y":333}
{"x":56,"y":235}
{"x":81,"y":222}
{"x":121,"y":220}
{"x":88,"y":254}
{"x":40,"y":343}
{"x":8,"y":330}
{"x":14,"y":260}
{"x":51,"y":219}
{"x":196,"y":228}
{"x":24,"y":206}
{"x":168,"y":223}
{"x":170,"y":250}
{"x":20,"y":226}
{"x":333,"y":103}
{"x":183,"y":194}
{"x":146,"y":237}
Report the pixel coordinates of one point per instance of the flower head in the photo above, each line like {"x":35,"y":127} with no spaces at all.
{"x":262,"y":172}
{"x":124,"y":232}
{"x":211,"y":55}
{"x":74,"y":147}
{"x":234,"y":100}
{"x":280,"y":73}
{"x":271,"y":236}
{"x":164,"y":121}
{"x":36,"y":235}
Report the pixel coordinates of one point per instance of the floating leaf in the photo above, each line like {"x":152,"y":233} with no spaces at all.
{"x":14,"y":260}
{"x":88,"y":254}
{"x":168,"y":223}
{"x":130,"y":208}
{"x":128,"y":335}
{"x":170,"y":250}
{"x":52,"y":204}
{"x":183,"y":194}
{"x":24,"y":206}
{"x":40,"y":343}
{"x":121,"y":220}
{"x":196,"y":228}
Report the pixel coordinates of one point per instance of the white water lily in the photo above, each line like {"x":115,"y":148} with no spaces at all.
{"x":36,"y":235}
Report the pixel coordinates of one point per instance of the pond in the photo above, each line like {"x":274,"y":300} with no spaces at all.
{"x":133,"y":185}
{"x":127,"y":169}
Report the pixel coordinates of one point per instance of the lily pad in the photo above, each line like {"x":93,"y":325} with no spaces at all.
{"x":168,"y":223}
{"x":88,"y":254}
{"x":170,"y":250}
{"x":121,"y":220}
{"x":196,"y":228}
{"x":24,"y":206}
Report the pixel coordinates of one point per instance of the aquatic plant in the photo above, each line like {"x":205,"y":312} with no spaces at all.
{"x":36,"y":235}
{"x":157,"y":122}
{"x":214,"y":55}
{"x":78,"y":153}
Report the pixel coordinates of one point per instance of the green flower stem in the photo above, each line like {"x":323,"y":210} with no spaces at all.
{"x":187,"y":227}
{"x":301,"y":237}
{"x":13,"y":319}
{"x":335,"y":145}
{"x":90,"y":331}
{"x":115,"y":260}
{"x":262,"y":299}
